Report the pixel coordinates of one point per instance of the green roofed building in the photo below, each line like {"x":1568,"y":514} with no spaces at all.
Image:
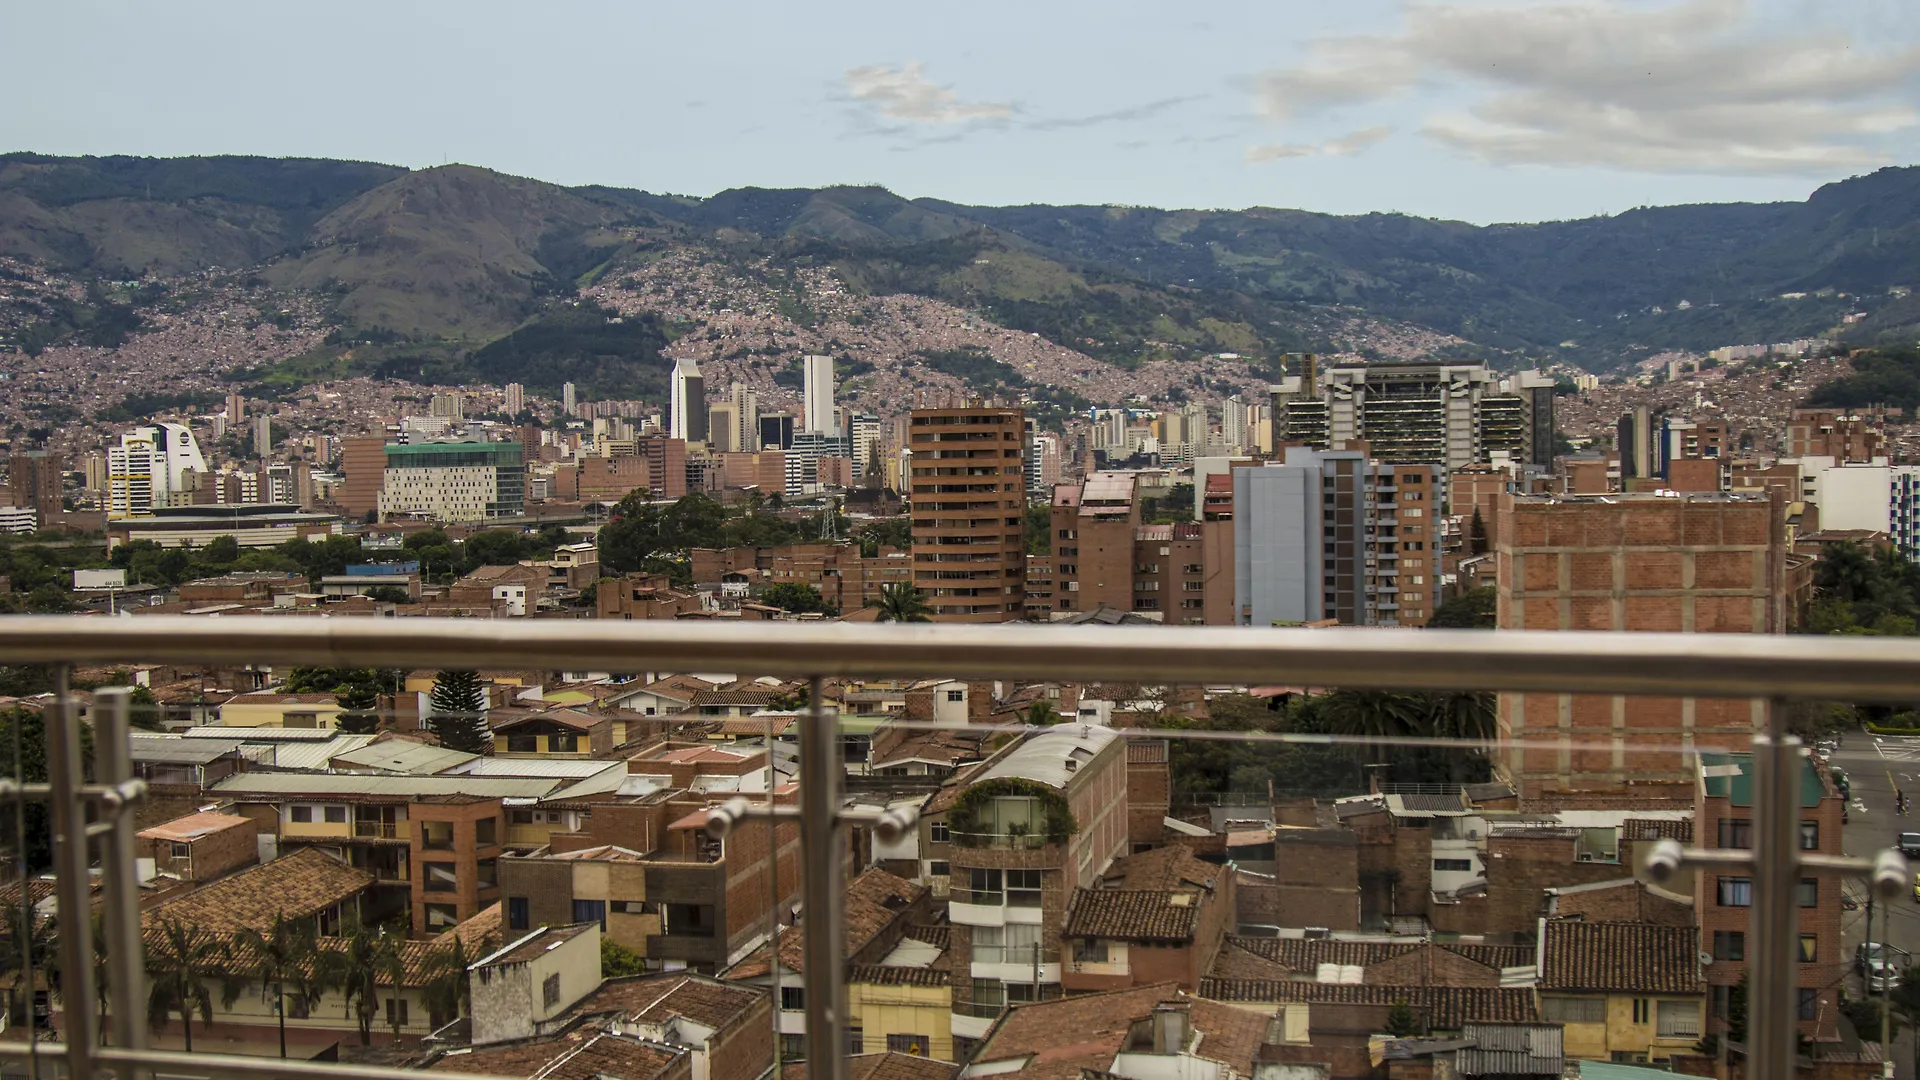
{"x":454,"y":481}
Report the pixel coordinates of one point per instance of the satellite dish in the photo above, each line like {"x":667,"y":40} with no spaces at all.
{"x":1706,"y":959}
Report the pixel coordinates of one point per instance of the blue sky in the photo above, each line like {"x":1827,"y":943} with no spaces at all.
{"x":1483,"y":110}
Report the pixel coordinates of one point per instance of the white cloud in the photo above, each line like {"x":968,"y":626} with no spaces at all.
{"x":905,"y":93}
{"x":1694,"y":86}
{"x":1344,"y":146}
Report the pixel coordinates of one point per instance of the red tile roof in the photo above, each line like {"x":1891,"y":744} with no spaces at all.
{"x":1133,"y":914}
{"x":1620,"y":957}
{"x":298,"y":885}
{"x":1446,"y":1007}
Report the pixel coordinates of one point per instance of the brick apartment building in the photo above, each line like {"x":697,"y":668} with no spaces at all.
{"x":1011,"y":881}
{"x":969,"y":512}
{"x":1841,"y":436}
{"x":1694,"y":563}
{"x":1159,"y":916}
{"x":200,"y":847}
{"x":1723,"y":811}
{"x":1104,"y":556}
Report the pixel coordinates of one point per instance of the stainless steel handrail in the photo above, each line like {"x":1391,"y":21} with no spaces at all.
{"x":1673,"y":665}
{"x":1699,"y":665}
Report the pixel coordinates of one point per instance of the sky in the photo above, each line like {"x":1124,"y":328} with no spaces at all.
{"x":1478,"y":110}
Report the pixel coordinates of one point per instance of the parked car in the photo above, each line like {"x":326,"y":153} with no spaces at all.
{"x":1879,"y":964}
{"x":1910,"y":844}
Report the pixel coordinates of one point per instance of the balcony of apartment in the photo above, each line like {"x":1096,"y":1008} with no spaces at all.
{"x":1657,"y":665}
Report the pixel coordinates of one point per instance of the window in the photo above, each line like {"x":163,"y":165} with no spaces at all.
{"x":398,"y":1006}
{"x":301,"y":814}
{"x":1809,"y":948}
{"x":634,"y":907}
{"x":793,"y":1048}
{"x":1573,"y":1010}
{"x":1809,"y":892}
{"x":856,"y":1041}
{"x":1457,"y":865}
{"x":441,"y":876}
{"x":1089,"y":952}
{"x":1809,"y":836}
{"x":442,"y":916}
{"x":1736,"y":833}
{"x":956,"y":695}
{"x":297,"y":1007}
{"x":563,"y":744}
{"x":550,"y":991}
{"x":523,"y":744}
{"x":938,"y":868}
{"x":487,"y":873}
{"x":486,"y":831}
{"x":593,"y":911}
{"x":436,"y":835}
{"x":908,"y":1044}
{"x":989,"y":992}
{"x":984,"y":887}
{"x":517,"y":917}
{"x":521,"y":817}
{"x":182,"y":851}
{"x":793,"y":998}
{"x":937,"y":833}
{"x":1729,"y":945}
{"x":1720,"y":996}
{"x":1809,"y":1002}
{"x":1678,"y":1020}
{"x":1735,"y":892}
{"x":1023,"y":888}
{"x":1641,"y":1007}
{"x":336,"y":815}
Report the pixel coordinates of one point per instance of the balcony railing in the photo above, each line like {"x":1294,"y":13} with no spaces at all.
{"x":1779,"y":669}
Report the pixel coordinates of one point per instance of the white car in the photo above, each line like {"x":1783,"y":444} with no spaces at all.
{"x":1879,"y":964}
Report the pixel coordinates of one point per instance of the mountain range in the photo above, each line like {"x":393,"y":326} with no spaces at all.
{"x":462,"y":256}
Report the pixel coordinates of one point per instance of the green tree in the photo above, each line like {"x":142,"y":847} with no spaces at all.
{"x":792,"y":596}
{"x":1475,"y":609}
{"x":354,"y":963}
{"x":616,"y":960}
{"x":389,"y":594}
{"x":1401,"y":1023}
{"x":446,"y":989}
{"x":1477,"y":534}
{"x":458,"y":709}
{"x":1041,"y":713}
{"x":900,"y":602}
{"x":183,"y":964}
{"x":893,"y":532}
{"x":1737,"y":1011}
{"x":223,"y":550}
{"x":143,"y":710}
{"x":1039,"y":521}
{"x":280,"y":956}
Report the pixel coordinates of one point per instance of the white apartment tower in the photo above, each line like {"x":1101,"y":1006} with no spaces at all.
{"x":569,"y":401}
{"x":1233,"y":423}
{"x":746,"y":413}
{"x":688,"y":421}
{"x":149,"y":467}
{"x":818,"y":373}
{"x":516,"y":399}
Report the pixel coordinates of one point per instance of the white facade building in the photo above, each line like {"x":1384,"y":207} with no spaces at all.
{"x":149,"y":468}
{"x":688,"y":410}
{"x":818,"y":394}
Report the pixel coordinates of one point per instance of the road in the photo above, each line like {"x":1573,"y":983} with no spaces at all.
{"x":1877,"y":767}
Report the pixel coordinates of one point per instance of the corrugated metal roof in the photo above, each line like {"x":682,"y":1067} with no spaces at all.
{"x":312,"y":755}
{"x":543,"y":768}
{"x":1043,"y":758}
{"x":258,"y":734}
{"x":318,"y":784}
{"x":1511,"y":1050}
{"x":401,"y":756}
{"x":172,"y":750}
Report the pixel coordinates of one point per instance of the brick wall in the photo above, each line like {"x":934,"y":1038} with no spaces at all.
{"x":1629,"y":902}
{"x":209,"y":856}
{"x":741,"y":1050}
{"x":1519,"y":868}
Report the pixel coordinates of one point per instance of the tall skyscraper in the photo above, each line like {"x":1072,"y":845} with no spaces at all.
{"x":688,"y":409}
{"x":149,"y":467}
{"x":263,"y":437}
{"x":818,"y":394}
{"x":1233,"y":423}
{"x":34,"y":479}
{"x":969,"y":501}
{"x":723,"y":427}
{"x":516,"y":400}
{"x":236,"y":409}
{"x":568,"y":402}
{"x":1633,"y":438}
{"x":1418,"y":412}
{"x":863,"y":436}
{"x":746,"y":413}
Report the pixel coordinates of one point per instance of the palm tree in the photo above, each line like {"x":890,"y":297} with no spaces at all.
{"x":1845,"y":572}
{"x":390,"y":962}
{"x":180,"y":962}
{"x":1042,"y":714}
{"x":354,"y":965}
{"x":447,"y":993}
{"x":1374,"y":714}
{"x":282,"y":955}
{"x":901,"y":602}
{"x":56,"y":977}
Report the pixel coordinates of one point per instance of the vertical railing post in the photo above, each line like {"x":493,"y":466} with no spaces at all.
{"x":113,"y":766}
{"x":823,"y":890}
{"x":1772,"y":993}
{"x":71,"y":878}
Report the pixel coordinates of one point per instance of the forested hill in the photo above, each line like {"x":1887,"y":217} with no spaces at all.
{"x":461,"y":253}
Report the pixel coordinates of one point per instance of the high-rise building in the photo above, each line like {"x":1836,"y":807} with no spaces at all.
{"x":969,"y":512}
{"x":514,"y":400}
{"x":803,"y":456}
{"x":451,"y":405}
{"x":34,"y":480}
{"x":236,"y":409}
{"x":1330,"y":536}
{"x":746,"y":413}
{"x":776,"y":431}
{"x":723,"y":427}
{"x":1233,"y":423}
{"x":569,"y":401}
{"x":1634,"y":439}
{"x":454,"y":481}
{"x":817,"y":373}
{"x":1712,"y":563}
{"x":149,"y":467}
{"x":863,"y":441}
{"x":263,"y":437}
{"x":363,"y":468}
{"x":1422,"y":412}
{"x":687,"y":418}
{"x":1840,"y":436}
